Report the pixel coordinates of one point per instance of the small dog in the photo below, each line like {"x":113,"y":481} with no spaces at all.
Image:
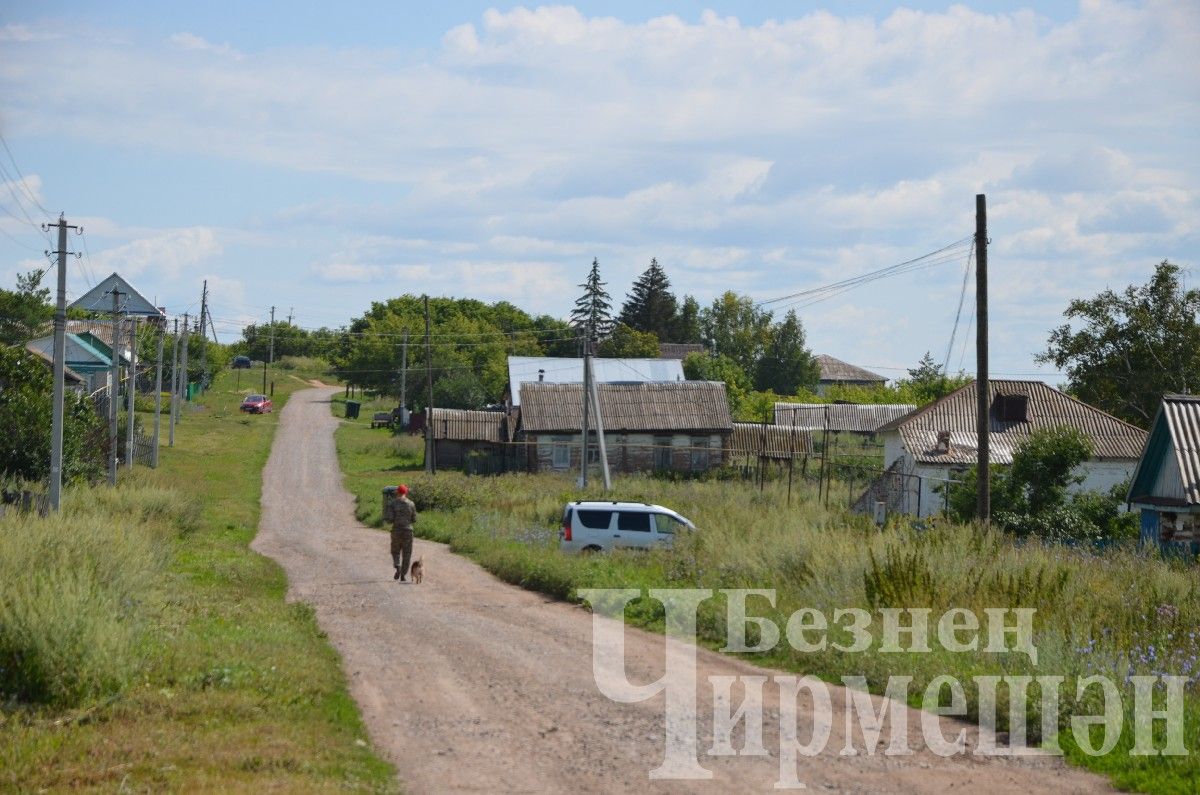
{"x":417,"y":571}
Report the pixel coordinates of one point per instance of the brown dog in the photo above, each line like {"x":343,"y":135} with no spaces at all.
{"x":418,"y":571}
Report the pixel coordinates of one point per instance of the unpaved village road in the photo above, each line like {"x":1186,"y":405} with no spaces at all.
{"x":472,"y":685}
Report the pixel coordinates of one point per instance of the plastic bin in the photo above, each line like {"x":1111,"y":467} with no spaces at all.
{"x":352,"y":407}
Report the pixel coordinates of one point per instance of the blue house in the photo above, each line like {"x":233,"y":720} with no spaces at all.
{"x":1166,"y":483}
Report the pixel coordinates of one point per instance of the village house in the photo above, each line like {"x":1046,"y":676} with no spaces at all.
{"x":925,"y":449}
{"x":82,"y":357}
{"x":559,"y":370}
{"x":835,"y":372}
{"x":859,"y":419}
{"x":1166,"y":484}
{"x":72,"y":381}
{"x":475,"y":441}
{"x":681,"y":426}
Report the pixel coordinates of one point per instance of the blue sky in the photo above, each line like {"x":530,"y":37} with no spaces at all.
{"x":307,"y":157}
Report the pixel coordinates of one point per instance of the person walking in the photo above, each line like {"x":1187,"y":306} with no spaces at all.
{"x":404,"y":513}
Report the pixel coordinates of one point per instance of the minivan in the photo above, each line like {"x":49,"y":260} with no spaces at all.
{"x":602,"y":526}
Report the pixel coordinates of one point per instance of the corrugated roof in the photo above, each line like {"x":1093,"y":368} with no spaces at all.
{"x":671,"y":406}
{"x":468,"y":426}
{"x":130,"y":302}
{"x":851,"y":417}
{"x":69,"y":375}
{"x":1046,"y":408}
{"x":554,"y":370}
{"x":78,"y":349}
{"x":750,"y":438}
{"x":678,"y":350}
{"x":1183,"y":420}
{"x":836,"y":370}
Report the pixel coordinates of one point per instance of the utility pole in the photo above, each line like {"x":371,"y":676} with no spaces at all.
{"x":429,"y":464}
{"x":131,"y":394}
{"x":60,"y":360}
{"x":591,"y":377}
{"x":291,"y":310}
{"x":404,"y":376}
{"x":204,"y":334}
{"x":174,"y":386}
{"x":158,"y":397}
{"x":183,"y":367}
{"x":271,"y":356}
{"x":583,"y":453}
{"x":113,"y":397}
{"x":983,"y":507}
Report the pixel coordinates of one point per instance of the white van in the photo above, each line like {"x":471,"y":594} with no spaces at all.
{"x":601,"y":526}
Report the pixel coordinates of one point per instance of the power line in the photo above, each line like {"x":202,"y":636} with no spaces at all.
{"x":24,"y":187}
{"x":957,"y":315}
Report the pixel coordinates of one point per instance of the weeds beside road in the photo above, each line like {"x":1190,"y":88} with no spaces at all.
{"x":158,"y":651}
{"x":1115,"y":614}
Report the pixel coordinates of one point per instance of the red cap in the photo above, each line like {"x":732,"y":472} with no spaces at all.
{"x":402,"y":489}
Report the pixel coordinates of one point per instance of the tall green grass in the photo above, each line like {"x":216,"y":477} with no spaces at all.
{"x":72,"y":604}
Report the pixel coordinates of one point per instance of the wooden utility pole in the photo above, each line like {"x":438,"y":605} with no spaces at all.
{"x":983,"y":506}
{"x":174,"y":386}
{"x":429,"y":463}
{"x":587,"y":385}
{"x":60,"y":361}
{"x":131,"y":393}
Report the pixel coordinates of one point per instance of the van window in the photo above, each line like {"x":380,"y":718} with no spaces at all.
{"x":666,"y":524}
{"x":638,"y":522}
{"x":595,"y":520}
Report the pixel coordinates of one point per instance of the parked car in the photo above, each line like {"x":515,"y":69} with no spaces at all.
{"x":602,"y":526}
{"x":256,"y":404}
{"x":241,"y":362}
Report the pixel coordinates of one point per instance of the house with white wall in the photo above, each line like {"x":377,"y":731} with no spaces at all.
{"x":927,"y":448}
{"x":1166,"y":485}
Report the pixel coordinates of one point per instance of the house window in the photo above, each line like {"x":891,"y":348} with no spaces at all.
{"x":662,"y":452}
{"x":560,"y":455}
{"x":699,"y":453}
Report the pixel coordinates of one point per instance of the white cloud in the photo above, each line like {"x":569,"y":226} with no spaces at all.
{"x":162,"y":256}
{"x":190,"y":41}
{"x":340,"y":272}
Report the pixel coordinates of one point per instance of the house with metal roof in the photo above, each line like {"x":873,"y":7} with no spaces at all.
{"x":556,"y":370}
{"x":836,"y":372}
{"x":664,"y":425}
{"x":129,"y":301}
{"x":82,"y":356}
{"x":72,"y":381}
{"x":1166,"y":483}
{"x":925,"y":449}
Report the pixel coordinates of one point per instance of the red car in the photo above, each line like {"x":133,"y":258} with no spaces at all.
{"x":256,"y":404}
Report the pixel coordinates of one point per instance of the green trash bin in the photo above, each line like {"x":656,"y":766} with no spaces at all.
{"x":352,"y":407}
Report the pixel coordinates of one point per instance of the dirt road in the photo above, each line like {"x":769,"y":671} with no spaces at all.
{"x":472,"y":685}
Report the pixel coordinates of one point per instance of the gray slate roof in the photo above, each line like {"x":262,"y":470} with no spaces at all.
{"x":468,"y":426}
{"x":1047,"y":408}
{"x":668,"y":406}
{"x":556,"y":370}
{"x":850,"y":417}
{"x":835,"y":370}
{"x":773,"y":441}
{"x":99,"y":299}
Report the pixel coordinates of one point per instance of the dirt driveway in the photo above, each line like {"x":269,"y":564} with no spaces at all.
{"x":472,"y":685}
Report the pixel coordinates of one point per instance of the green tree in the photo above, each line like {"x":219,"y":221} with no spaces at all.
{"x":650,"y":306}
{"x":24,"y":312}
{"x":786,"y":364}
{"x":26,"y":388}
{"x":459,"y":390}
{"x":628,"y":343}
{"x":927,"y":382}
{"x":685,"y":327}
{"x":735,"y":327}
{"x":592,"y":315}
{"x":290,"y":340}
{"x":703,"y":367}
{"x":1123,"y":351}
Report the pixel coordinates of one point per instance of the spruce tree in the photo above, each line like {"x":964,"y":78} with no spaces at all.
{"x":593,"y":309}
{"x":650,"y":306}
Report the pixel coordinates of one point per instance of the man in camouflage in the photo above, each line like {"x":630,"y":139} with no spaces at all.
{"x":404,"y":513}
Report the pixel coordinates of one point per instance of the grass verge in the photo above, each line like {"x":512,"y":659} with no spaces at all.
{"x":206,"y":679}
{"x":1117,"y":615}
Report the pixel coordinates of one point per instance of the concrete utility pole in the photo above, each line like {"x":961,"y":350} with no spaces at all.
{"x":983,"y":506}
{"x":174,"y":386}
{"x":183,"y":367}
{"x":591,"y":377}
{"x":162,"y":333}
{"x":131,"y":394}
{"x":272,"y":355}
{"x":114,"y":396}
{"x":203,"y":333}
{"x":429,"y":463}
{"x":60,"y":363}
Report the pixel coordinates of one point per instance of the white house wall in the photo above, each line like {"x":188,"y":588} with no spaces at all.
{"x":1101,"y":476}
